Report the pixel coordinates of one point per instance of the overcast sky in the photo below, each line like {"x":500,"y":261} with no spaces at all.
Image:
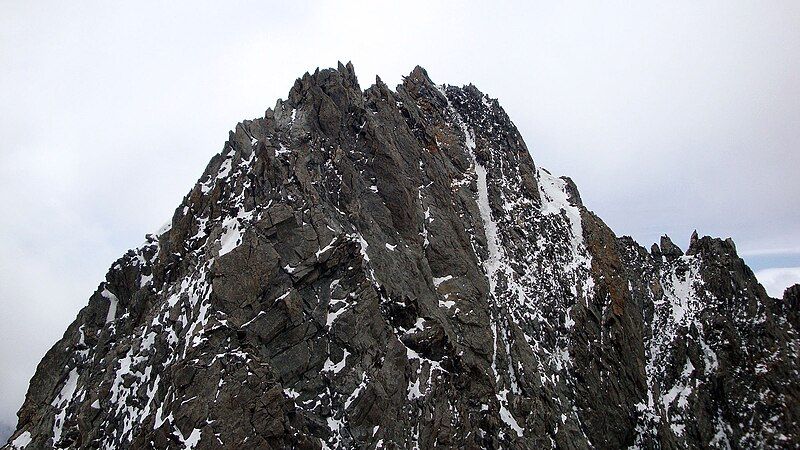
{"x":669,"y":117}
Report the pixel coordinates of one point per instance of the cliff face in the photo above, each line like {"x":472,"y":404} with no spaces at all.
{"x":368,"y":269}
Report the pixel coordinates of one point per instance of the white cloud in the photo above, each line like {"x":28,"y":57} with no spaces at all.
{"x":777,"y":279}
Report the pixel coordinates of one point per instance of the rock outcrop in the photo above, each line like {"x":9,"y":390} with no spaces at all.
{"x":390,"y":269}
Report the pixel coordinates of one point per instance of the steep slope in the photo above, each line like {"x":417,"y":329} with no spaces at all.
{"x":390,"y":269}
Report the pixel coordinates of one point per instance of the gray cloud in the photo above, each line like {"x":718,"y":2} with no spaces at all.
{"x":669,"y":117}
{"x":776,"y":279}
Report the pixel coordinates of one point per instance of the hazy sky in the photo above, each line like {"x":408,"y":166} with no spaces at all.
{"x":669,"y":117}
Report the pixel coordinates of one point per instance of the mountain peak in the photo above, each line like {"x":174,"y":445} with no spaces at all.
{"x":368,"y":268}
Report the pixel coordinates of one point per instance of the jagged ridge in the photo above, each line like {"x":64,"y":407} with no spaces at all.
{"x":379,"y":268}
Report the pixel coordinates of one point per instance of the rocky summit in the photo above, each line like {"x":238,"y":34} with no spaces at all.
{"x":390,"y":269}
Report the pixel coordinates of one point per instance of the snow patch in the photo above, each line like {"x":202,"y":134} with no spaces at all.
{"x":553,"y":193}
{"x":22,"y":440}
{"x":62,"y":401}
{"x":336,"y":368}
{"x":438,"y":281}
{"x":112,"y":304}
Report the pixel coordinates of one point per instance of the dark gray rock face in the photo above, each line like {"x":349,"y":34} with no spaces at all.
{"x":389,"y":269}
{"x":791,"y":297}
